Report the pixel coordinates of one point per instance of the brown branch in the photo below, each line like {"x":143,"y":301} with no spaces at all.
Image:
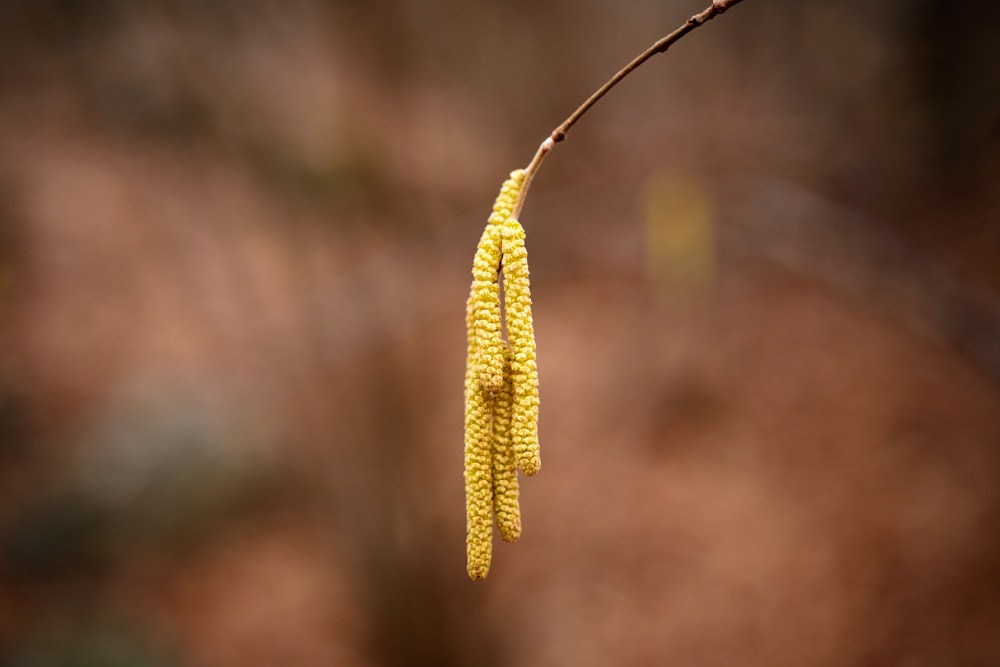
{"x":559,"y":134}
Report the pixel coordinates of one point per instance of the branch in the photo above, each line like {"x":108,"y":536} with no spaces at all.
{"x":559,"y":134}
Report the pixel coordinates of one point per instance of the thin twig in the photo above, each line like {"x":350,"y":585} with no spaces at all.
{"x":559,"y":134}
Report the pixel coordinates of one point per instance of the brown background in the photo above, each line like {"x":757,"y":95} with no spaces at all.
{"x":235,"y":242}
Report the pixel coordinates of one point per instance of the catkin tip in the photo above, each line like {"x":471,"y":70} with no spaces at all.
{"x":511,"y":533}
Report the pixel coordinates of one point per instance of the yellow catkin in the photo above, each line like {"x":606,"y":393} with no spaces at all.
{"x":473,"y":349}
{"x":484,"y":386}
{"x":478,"y":483}
{"x":478,"y":465}
{"x":505,"y":487}
{"x":521,"y":334}
{"x":486,"y":310}
{"x":485,"y":268}
{"x":471,"y":357}
{"x":504,"y":204}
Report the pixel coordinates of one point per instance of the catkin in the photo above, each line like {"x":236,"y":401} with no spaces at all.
{"x":478,"y":463}
{"x":485,"y":268}
{"x":521,"y":334}
{"x":501,"y":408}
{"x":486,"y":310}
{"x":471,"y":356}
{"x":504,"y":204}
{"x":505,"y":487}
{"x":478,"y":483}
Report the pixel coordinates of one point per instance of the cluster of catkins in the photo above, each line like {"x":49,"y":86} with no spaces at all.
{"x":501,"y":383}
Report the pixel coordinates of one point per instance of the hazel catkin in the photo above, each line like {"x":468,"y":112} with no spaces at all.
{"x":485,"y":270}
{"x":478,"y":483}
{"x":521,"y":335}
{"x":505,"y":486}
{"x":501,"y":384}
{"x":486,"y":310}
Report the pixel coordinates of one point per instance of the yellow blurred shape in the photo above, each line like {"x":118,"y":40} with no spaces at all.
{"x":680,"y":234}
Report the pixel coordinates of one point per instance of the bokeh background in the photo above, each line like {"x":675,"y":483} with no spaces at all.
{"x":235,"y":243}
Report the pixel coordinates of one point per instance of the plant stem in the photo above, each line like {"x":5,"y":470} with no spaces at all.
{"x":559,"y":134}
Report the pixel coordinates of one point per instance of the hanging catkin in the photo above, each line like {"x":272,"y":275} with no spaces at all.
{"x":505,"y":487}
{"x":521,"y":335}
{"x":501,"y":384}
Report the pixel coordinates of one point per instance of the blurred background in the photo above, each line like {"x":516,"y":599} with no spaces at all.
{"x":235,"y":247}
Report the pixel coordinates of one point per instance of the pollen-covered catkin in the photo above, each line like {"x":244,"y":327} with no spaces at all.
{"x":485,"y":268}
{"x":505,"y":486}
{"x":521,"y":334}
{"x":472,"y":347}
{"x":478,"y":483}
{"x":490,"y":398}
{"x":486,"y":310}
{"x":504,"y":204}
